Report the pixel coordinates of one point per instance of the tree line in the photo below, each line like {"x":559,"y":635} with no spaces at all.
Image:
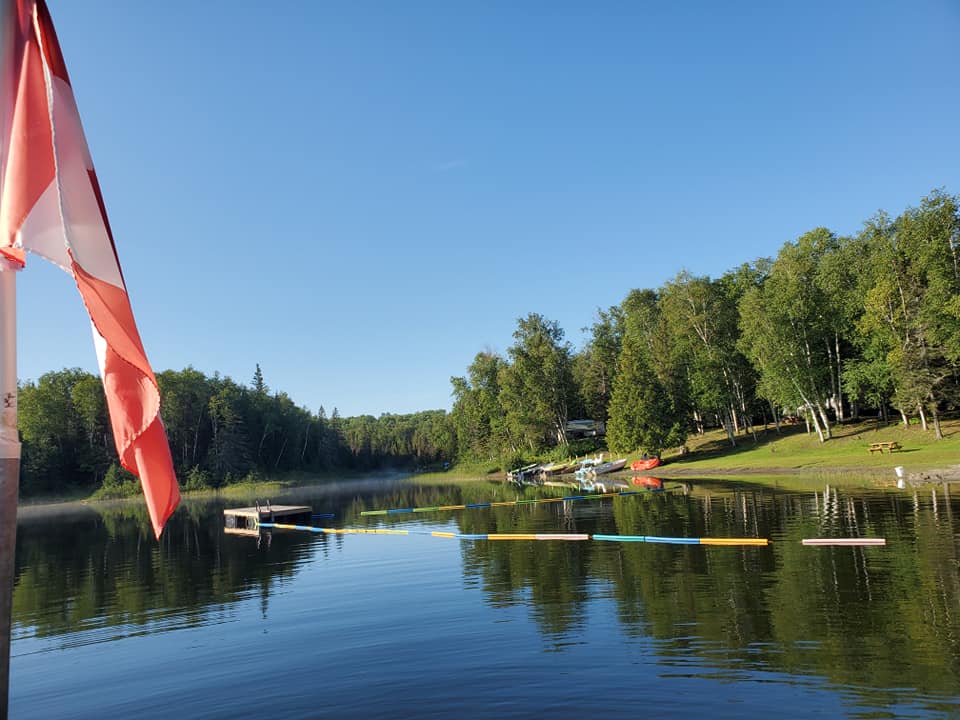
{"x":220,"y":432}
{"x":831,"y":327}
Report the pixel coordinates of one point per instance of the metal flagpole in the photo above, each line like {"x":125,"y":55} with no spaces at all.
{"x":9,"y":467}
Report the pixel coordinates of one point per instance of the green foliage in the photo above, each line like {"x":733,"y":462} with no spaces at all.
{"x":641,"y":414}
{"x":63,"y":425}
{"x":511,"y":460}
{"x":220,"y":433}
{"x":117,"y":484}
{"x":910,"y":311}
{"x":252,"y":478}
{"x":829,"y":323}
{"x":595,"y":368}
{"x":478,"y":417}
{"x":537,"y":386}
{"x":198,"y":479}
{"x":258,"y":386}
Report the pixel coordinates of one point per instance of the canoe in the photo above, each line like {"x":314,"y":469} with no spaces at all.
{"x":648,"y":464}
{"x":587,"y":465}
{"x":609,"y":467}
{"x":555,"y":468}
{"x":527,"y":475}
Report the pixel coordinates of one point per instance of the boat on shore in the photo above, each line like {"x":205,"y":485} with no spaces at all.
{"x":526,"y":475}
{"x":592,"y":467}
{"x":586,"y":466}
{"x":558,"y":468}
{"x":645,"y":464}
{"x":609,"y":467}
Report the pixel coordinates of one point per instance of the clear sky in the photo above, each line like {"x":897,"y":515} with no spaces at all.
{"x":361,"y":196}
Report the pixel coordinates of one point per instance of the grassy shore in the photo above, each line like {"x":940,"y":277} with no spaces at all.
{"x":770,"y":457}
{"x":791,"y":457}
{"x":796,"y":451}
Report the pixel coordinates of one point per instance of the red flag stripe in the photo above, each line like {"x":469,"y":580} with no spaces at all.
{"x":51,"y":204}
{"x":51,"y":45}
{"x":30,"y":166}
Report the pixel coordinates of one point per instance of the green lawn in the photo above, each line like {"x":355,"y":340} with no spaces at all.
{"x":772,"y":457}
{"x":796,"y":451}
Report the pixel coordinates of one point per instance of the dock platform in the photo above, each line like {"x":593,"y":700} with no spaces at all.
{"x":246,"y":520}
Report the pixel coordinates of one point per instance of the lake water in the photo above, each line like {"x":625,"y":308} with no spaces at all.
{"x":110,"y":623}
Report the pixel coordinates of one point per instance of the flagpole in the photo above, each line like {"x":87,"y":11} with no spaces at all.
{"x":9,"y":467}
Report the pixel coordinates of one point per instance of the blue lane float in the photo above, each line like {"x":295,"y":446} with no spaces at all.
{"x":568,"y":537}
{"x":654,"y":539}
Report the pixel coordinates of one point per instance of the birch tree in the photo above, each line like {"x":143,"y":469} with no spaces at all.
{"x":537,"y":386}
{"x":786,"y":330}
{"x":912,"y":309}
{"x":595,"y":368}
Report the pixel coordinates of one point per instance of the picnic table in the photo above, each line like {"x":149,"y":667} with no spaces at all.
{"x":881,"y":446}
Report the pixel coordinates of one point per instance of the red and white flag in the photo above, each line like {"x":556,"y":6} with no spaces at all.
{"x":50,"y":204}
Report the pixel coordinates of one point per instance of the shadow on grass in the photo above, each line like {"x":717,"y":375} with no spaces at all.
{"x":745,"y":443}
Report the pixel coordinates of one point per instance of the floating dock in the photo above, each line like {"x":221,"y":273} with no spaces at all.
{"x":247,"y":520}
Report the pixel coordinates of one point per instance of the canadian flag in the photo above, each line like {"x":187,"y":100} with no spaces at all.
{"x":50,"y":204}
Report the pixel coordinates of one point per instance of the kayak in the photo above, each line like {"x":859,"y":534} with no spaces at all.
{"x":648,"y":464}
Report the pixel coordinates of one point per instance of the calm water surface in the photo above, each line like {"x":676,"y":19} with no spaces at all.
{"x":107,"y":622}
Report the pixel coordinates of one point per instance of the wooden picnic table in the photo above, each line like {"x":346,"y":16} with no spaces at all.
{"x":881,"y":446}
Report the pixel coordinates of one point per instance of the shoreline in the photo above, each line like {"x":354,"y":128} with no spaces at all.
{"x":880,"y":477}
{"x":918,"y":477}
{"x":669,"y":471}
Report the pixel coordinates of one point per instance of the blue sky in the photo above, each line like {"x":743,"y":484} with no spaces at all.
{"x":361,"y":196}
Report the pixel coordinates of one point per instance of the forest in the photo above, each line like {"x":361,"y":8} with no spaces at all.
{"x":830,"y":329}
{"x":220,"y":433}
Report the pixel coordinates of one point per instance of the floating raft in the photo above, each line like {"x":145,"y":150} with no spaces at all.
{"x":505,"y":503}
{"x":244,"y":521}
{"x":522,"y":536}
{"x":844,"y":541}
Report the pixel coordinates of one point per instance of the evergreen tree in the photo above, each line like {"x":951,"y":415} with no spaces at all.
{"x":641,"y":414}
{"x":537,"y":387}
{"x":258,"y":385}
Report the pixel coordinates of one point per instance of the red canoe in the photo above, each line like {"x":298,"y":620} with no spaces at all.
{"x":649,"y":464}
{"x":649,"y":482}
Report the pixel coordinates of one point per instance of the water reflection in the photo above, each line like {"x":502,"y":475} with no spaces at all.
{"x":872,"y":620}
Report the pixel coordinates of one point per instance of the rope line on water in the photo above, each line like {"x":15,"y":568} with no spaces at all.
{"x":522,"y":536}
{"x":655,"y":539}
